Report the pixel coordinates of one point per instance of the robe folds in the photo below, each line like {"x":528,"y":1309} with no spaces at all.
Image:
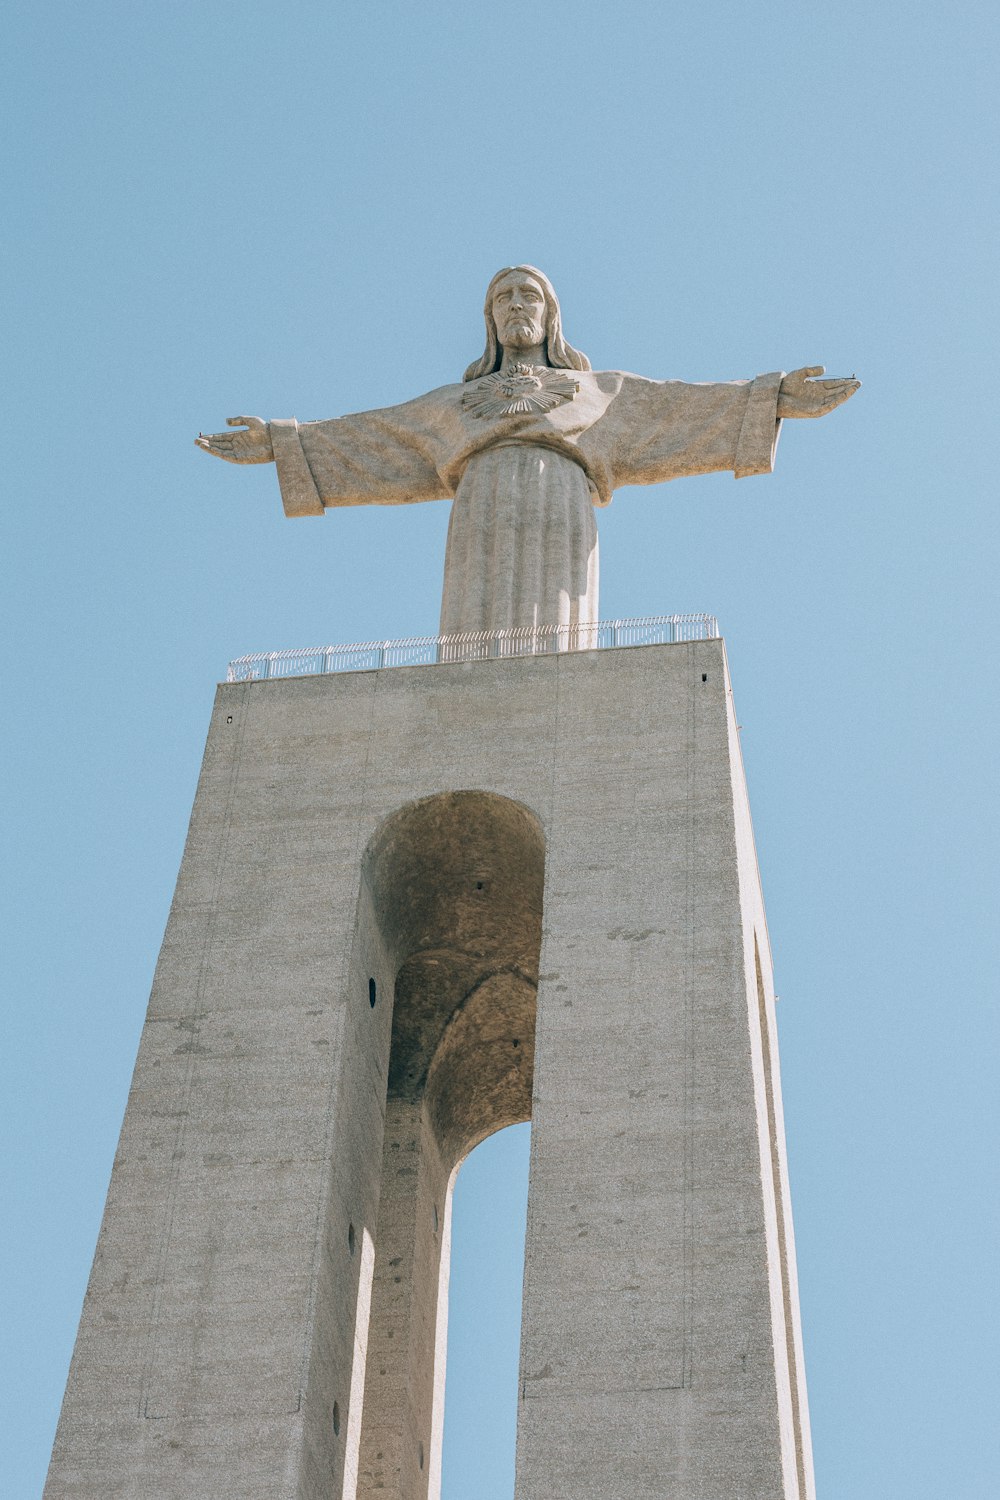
{"x":522,"y":543}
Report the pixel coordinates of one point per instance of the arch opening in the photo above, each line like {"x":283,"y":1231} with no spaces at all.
{"x":455,"y":886}
{"x":484,"y":1315}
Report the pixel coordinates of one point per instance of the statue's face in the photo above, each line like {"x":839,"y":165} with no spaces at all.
{"x":519,"y":311}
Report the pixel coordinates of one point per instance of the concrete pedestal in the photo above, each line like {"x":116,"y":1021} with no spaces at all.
{"x":417,"y":905}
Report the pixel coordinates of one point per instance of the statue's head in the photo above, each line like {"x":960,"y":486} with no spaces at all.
{"x":522,"y":311}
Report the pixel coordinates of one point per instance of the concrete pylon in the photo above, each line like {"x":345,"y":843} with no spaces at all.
{"x":416,"y":905}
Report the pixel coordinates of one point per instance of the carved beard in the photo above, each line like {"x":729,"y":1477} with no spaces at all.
{"x":523,"y":335}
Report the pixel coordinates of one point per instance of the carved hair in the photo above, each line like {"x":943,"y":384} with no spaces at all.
{"x":561,"y":356}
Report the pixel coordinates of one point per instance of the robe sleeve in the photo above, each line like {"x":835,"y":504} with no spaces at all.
{"x":667,"y":429}
{"x":386,"y":457}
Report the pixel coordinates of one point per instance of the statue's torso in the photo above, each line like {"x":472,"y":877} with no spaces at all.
{"x":550,"y":408}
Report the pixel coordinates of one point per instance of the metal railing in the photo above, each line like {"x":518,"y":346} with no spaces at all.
{"x":420,"y":650}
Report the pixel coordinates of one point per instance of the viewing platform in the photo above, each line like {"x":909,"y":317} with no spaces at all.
{"x":427,"y":650}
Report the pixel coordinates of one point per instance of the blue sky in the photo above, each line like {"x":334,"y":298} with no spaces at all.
{"x":289,"y":210}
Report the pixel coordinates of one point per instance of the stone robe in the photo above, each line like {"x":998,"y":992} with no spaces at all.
{"x":522,"y":543}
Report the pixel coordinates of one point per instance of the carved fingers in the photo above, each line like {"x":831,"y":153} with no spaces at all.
{"x":251,"y":444}
{"x":803,"y":395}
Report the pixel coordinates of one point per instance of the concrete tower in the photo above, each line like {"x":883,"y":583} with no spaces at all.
{"x":416,"y":905}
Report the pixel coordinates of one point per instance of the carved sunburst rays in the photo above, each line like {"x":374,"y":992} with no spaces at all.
{"x":520,"y":389}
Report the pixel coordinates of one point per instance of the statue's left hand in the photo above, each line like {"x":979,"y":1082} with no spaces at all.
{"x":801,"y":395}
{"x":252,"y":445}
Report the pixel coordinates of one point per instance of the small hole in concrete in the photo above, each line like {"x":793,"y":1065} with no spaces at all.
{"x":420,"y":1454}
{"x":372,"y":993}
{"x":350,"y":1238}
{"x":479,"y":885}
{"x":336,"y":1419}
{"x":229,"y":718}
{"x":704,"y":676}
{"x":515,"y":1043}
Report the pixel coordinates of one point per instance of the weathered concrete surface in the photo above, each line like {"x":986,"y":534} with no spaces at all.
{"x":288,"y":1148}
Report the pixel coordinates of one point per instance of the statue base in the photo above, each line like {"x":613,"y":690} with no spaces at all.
{"x":414,"y":906}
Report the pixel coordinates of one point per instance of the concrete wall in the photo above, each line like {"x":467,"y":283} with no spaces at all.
{"x":242,"y":1298}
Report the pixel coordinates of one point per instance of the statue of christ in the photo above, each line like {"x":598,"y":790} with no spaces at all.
{"x":525,"y":446}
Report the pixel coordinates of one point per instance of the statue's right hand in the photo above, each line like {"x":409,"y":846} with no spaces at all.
{"x":251,"y":445}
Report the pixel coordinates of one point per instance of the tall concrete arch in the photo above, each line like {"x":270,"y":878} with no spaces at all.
{"x":454,"y":884}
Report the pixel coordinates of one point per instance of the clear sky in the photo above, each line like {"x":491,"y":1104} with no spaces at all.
{"x":215,"y":208}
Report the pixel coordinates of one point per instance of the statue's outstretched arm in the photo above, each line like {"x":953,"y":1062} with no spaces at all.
{"x":801,"y":395}
{"x":251,"y":445}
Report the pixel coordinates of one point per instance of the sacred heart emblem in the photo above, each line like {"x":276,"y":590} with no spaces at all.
{"x":519,"y":389}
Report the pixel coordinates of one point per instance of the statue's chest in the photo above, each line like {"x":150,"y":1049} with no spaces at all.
{"x":519,"y":391}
